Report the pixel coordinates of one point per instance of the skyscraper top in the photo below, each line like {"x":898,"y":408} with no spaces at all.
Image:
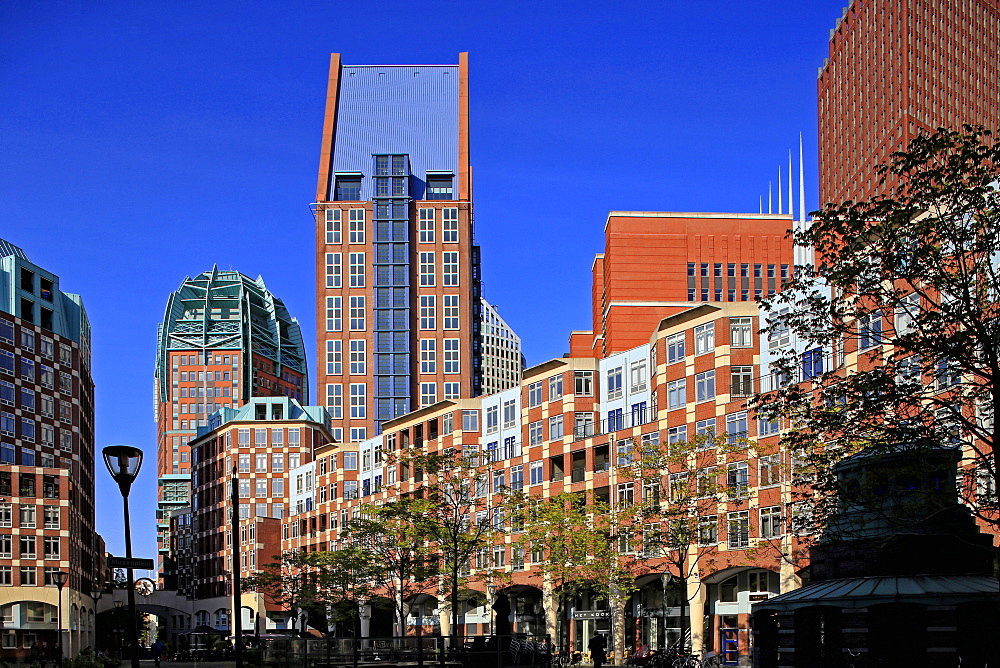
{"x":420,"y":111}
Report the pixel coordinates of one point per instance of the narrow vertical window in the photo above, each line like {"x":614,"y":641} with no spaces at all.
{"x":449,"y":269}
{"x":427,"y":269}
{"x":449,"y":226}
{"x":357,"y":313}
{"x":357,"y":270}
{"x":333,"y":357}
{"x":451,"y":311}
{"x":333,"y":226}
{"x":334,"y":314}
{"x":335,"y":400}
{"x":358,"y":357}
{"x":356,"y":224}
{"x":428,"y":356}
{"x":358,"y":400}
{"x":428,"y":312}
{"x":426,"y":226}
{"x":333,"y":275}
{"x":451,"y":356}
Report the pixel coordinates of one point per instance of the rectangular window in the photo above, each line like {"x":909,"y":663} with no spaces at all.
{"x":492,"y":419}
{"x":738,"y":479}
{"x":870,"y":330}
{"x":333,"y":227}
{"x":704,"y":384}
{"x":28,"y":369}
{"x":426,"y":226}
{"x":334,"y":357}
{"x":637,"y":376}
{"x":704,"y":338}
{"x":428,"y":394}
{"x":583,"y":383}
{"x":770,"y":522}
{"x":555,"y":427}
{"x":739,"y":530}
{"x":335,"y":400}
{"x":812,"y":363}
{"x":358,"y":354}
{"x":615,"y":383}
{"x":534,"y":394}
{"x":517,"y":477}
{"x":260,"y":462}
{"x":535,"y":471}
{"x":334,"y":314}
{"x":358,"y":400}
{"x":741,"y":381}
{"x":583,"y":425}
{"x":357,"y":270}
{"x":427,"y":268}
{"x":449,"y":269}
{"x":449,"y":226}
{"x":767,"y":427}
{"x":675,"y":348}
{"x":428,"y":356}
{"x":452,"y":390}
{"x":779,"y":334}
{"x":740,"y":332}
{"x":736,"y":426}
{"x":451,"y":311}
{"x":509,"y":414}
{"x":27,"y":517}
{"x":708,"y":530}
{"x":428,"y":312}
{"x":535,"y":433}
{"x":451,"y":356}
{"x":555,"y":387}
{"x":356,"y":224}
{"x":470,"y":420}
{"x":29,"y":549}
{"x":357,"y":313}
{"x":768,"y":471}
{"x":676,"y":393}
{"x":676,"y":437}
{"x":333,"y":271}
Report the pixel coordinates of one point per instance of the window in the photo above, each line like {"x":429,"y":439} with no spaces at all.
{"x":6,"y":546}
{"x":358,"y":357}
{"x":427,"y":268}
{"x":770,"y":522}
{"x":334,"y":314}
{"x":704,"y":384}
{"x":6,"y":331}
{"x":870,"y":330}
{"x":583,"y":425}
{"x":534,"y":394}
{"x":426,"y":226}
{"x":7,"y":393}
{"x":333,"y":271}
{"x":626,"y":494}
{"x":812,"y":363}
{"x":428,"y":312}
{"x":452,"y":390}
{"x":907,"y":314}
{"x":6,"y":360}
{"x":615,"y":383}
{"x":708,"y":530}
{"x":492,"y":418}
{"x":470,"y":420}
{"x":50,"y":547}
{"x":357,"y":313}
{"x":583,"y":383}
{"x":740,"y":333}
{"x":29,"y":578}
{"x":615,"y":420}
{"x":637,"y":376}
{"x":676,"y":436}
{"x":449,"y":226}
{"x":498,"y":482}
{"x":428,"y":356}
{"x":428,"y":394}
{"x":739,"y":530}
{"x":6,"y":515}
{"x":535,"y":472}
{"x":348,"y":188}
{"x":449,"y":269}
{"x":946,"y":374}
{"x":451,"y":311}
{"x":767,"y":427}
{"x":29,"y":549}
{"x":509,"y":414}
{"x":517,"y":477}
{"x":26,"y":517}
{"x":535,"y":433}
{"x":741,"y":381}
{"x":676,"y":393}
{"x":736,"y":426}
{"x":51,"y":517}
{"x":451,"y":353}
{"x":357,"y":270}
{"x":439,"y":186}
{"x":27,"y":369}
{"x":334,"y":357}
{"x":555,"y":387}
{"x":358,"y":400}
{"x":333,"y":226}
{"x":737,"y":479}
{"x":555,"y":427}
{"x":356,"y":224}
{"x":779,"y":335}
{"x":335,"y":400}
{"x":704,"y":338}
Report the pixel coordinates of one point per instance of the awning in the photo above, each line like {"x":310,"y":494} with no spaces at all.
{"x":873,"y":590}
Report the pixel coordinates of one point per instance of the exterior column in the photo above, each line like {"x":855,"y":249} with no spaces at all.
{"x":696,"y":606}
{"x":444,"y":616}
{"x":550,"y":608}
{"x":365,"y":612}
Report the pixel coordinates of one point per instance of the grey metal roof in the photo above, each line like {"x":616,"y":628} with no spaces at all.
{"x":7,"y":248}
{"x":872,"y":590}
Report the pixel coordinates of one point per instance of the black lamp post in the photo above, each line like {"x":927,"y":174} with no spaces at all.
{"x":123,"y":462}
{"x":59,"y":580}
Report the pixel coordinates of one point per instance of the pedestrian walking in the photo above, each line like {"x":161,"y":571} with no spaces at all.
{"x":597,"y":652}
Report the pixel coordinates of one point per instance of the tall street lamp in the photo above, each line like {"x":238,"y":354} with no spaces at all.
{"x":59,"y":580}
{"x":123,"y":462}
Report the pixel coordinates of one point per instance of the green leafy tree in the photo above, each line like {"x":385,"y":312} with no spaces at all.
{"x":391,"y":537}
{"x":890,"y":337}
{"x":682,"y":485}
{"x":328,"y":586}
{"x":455,"y":519}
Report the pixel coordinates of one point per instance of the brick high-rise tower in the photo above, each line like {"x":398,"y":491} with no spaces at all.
{"x":399,"y":309}
{"x":896,"y":68}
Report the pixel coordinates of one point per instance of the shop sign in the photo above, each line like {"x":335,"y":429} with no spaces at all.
{"x":674,"y":611}
{"x":591,"y":614}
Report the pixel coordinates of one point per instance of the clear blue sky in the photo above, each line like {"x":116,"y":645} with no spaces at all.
{"x":142,"y":142}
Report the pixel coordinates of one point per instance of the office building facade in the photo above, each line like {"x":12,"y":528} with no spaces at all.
{"x":224,"y":339}
{"x":898,"y":68}
{"x":398,"y":284}
{"x":46,"y":461}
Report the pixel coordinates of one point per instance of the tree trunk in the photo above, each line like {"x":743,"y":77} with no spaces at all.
{"x":550,"y":607}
